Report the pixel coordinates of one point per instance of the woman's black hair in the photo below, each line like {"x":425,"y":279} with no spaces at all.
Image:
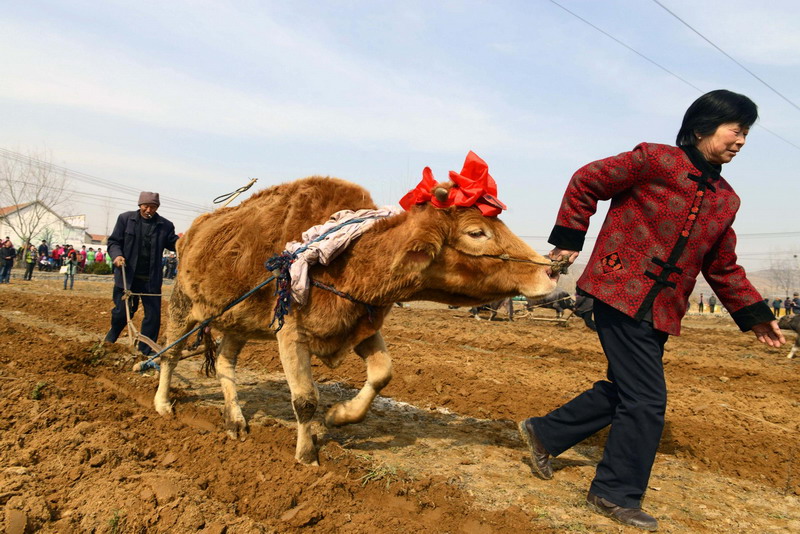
{"x":712,"y":109}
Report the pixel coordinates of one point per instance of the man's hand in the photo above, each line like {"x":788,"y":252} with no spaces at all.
{"x":119,"y":261}
{"x":769,"y":334}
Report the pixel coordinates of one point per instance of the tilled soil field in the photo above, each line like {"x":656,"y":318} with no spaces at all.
{"x":82,"y":449}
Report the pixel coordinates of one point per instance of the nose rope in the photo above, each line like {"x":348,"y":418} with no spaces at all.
{"x":559,"y":266}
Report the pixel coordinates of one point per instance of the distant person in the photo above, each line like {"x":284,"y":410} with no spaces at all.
{"x":29,"y":259}
{"x":45,"y":263}
{"x":43,"y":250}
{"x":639,"y":275}
{"x":22,"y":250}
{"x":98,"y":256}
{"x":70,"y":263}
{"x":171,"y":267}
{"x":712,"y":303}
{"x":796,"y":304}
{"x":787,"y":306}
{"x":82,"y":259}
{"x":776,"y":306}
{"x":56,"y":255}
{"x":700,"y":304}
{"x":7,"y":256}
{"x":136,"y":246}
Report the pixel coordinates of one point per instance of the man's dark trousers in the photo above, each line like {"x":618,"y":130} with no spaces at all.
{"x":152,"y":314}
{"x":632,"y":401}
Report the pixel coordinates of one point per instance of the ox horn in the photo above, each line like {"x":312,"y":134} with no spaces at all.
{"x":441,"y":194}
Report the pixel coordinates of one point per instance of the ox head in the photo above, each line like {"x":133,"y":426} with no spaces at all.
{"x":458,"y":249}
{"x":790,"y":322}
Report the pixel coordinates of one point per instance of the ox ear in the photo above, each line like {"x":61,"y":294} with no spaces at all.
{"x":417,"y":254}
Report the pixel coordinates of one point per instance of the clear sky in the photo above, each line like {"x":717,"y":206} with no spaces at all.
{"x":193,"y":98}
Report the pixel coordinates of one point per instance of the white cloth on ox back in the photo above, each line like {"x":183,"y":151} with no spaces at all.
{"x":325,"y":250}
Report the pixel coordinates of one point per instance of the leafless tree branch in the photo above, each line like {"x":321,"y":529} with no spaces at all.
{"x":31,"y":180}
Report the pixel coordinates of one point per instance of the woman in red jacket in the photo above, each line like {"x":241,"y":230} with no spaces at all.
{"x":669,"y":220}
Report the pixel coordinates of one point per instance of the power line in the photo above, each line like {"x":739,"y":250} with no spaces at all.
{"x":727,"y":55}
{"x":664,"y":68}
{"x":97,"y":196}
{"x":687,"y":82}
{"x":94,"y":180}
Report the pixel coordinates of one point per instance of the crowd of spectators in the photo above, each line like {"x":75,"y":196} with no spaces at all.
{"x":53,"y":258}
{"x":49,"y":258}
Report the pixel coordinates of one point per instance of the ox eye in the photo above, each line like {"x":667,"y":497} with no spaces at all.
{"x":476,"y":233}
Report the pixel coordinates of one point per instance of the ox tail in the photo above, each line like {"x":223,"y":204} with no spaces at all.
{"x":210,"y":363}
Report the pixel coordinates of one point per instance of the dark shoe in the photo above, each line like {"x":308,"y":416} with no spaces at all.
{"x":540,"y":458}
{"x":633,"y":517}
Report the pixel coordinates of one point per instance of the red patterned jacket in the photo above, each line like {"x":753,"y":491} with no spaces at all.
{"x":670,"y":219}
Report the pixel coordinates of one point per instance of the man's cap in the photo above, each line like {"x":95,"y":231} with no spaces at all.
{"x":147,"y":197}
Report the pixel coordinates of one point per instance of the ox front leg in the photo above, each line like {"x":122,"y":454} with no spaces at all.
{"x":296,"y":361}
{"x":379,"y":373}
{"x":179,"y":325}
{"x":794,"y":347}
{"x":229,"y":348}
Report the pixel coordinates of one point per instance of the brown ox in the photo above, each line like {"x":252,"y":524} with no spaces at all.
{"x":426,"y":253}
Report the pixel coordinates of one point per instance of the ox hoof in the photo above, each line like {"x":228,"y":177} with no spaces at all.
{"x":236,"y":425}
{"x":341,"y":414}
{"x":237,"y":429}
{"x":331,"y":420}
{"x":163,"y":408}
{"x":309,"y":457}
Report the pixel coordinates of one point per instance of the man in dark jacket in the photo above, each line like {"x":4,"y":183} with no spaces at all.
{"x":7,"y":255}
{"x":136,"y":246}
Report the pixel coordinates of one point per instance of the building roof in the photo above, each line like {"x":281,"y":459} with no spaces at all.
{"x":15,"y":207}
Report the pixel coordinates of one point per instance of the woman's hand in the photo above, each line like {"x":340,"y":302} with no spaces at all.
{"x":563,"y":254}
{"x":769,"y":333}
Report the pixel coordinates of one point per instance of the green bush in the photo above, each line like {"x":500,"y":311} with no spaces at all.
{"x":98,"y":268}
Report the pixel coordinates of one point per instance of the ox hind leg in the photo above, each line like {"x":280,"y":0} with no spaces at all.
{"x":795,"y":347}
{"x":379,"y":373}
{"x":228,"y":354}
{"x":180,"y":322}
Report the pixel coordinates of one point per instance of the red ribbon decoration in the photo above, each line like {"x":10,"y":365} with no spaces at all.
{"x":474,"y":186}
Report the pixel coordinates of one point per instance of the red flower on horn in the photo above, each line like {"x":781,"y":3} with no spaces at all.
{"x":422,"y":193}
{"x":474,"y":186}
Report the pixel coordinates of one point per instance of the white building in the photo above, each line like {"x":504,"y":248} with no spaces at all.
{"x":41,"y":223}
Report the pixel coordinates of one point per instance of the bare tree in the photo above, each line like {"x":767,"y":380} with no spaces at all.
{"x":35,"y":187}
{"x":785,"y":273}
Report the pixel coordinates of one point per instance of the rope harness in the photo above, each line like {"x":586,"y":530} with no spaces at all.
{"x":560,"y":266}
{"x":133,"y":334}
{"x":227,"y":198}
{"x":281,"y":263}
